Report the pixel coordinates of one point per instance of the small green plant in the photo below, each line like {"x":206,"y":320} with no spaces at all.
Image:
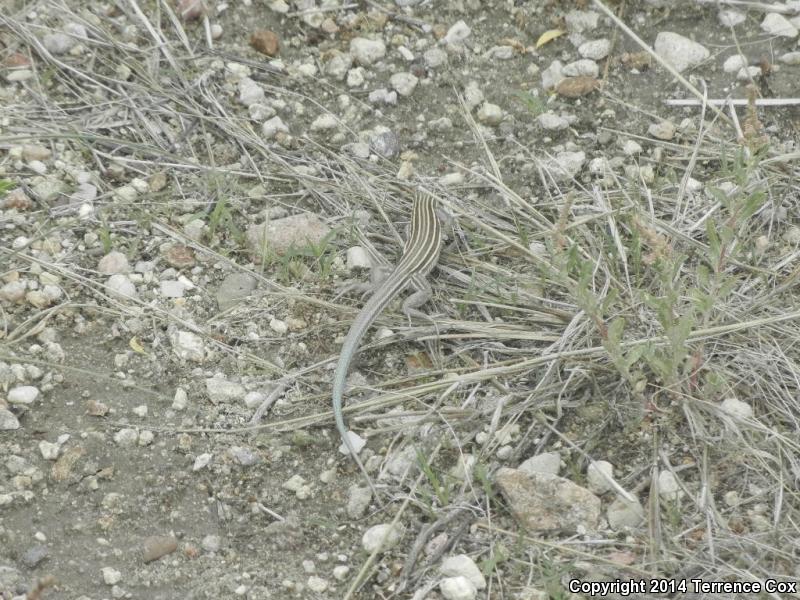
{"x":534,"y":104}
{"x":440,"y":489}
{"x":6,"y":185}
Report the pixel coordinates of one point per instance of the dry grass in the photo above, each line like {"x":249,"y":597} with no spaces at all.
{"x":607,"y":318}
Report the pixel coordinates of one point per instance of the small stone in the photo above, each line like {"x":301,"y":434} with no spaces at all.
{"x":24,"y":394}
{"x":121,"y":286}
{"x":355,"y":77}
{"x":190,"y":10}
{"x":385,"y":144}
{"x":451,"y":179}
{"x":358,"y":500}
{"x":668,"y":487}
{"x":126,"y":193}
{"x":357,"y":258}
{"x":457,"y":588}
{"x":734,"y":63}
{"x":324,"y":122}
{"x":156,"y":546}
{"x":272,"y":127}
{"x":250,"y":92}
{"x":382,"y":96}
{"x":317,"y":584}
{"x":663,"y":130}
{"x":356,"y":441}
{"x":211,"y":543}
{"x":278,"y":326}
{"x":680,"y":51}
{"x":622,"y":514}
{"x":188,"y":346}
{"x":595,"y":49}
{"x":597,"y":476}
{"x":777,"y":24}
{"x":35,"y":152}
{"x":113,"y":262}
{"x":265,"y":41}
{"x":552,"y":122}
{"x":111,"y":576}
{"x":382,"y":537}
{"x":224,"y":391}
{"x":736,"y":408}
{"x":457,"y":33}
{"x":731,"y":18}
{"x":434,"y":57}
{"x":790,"y":58}
{"x":49,"y":450}
{"x":748,"y":73}
{"x":403,"y":83}
{"x":547,"y":462}
{"x":58,"y":42}
{"x":631,"y":148}
{"x":365,"y":52}
{"x":490,"y":113}
{"x":202,"y":461}
{"x":462,"y":565}
{"x":126,"y":437}
{"x":244,"y":456}
{"x":581,"y":68}
{"x":8,"y":422}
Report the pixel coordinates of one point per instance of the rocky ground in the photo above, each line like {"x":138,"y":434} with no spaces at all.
{"x":606,"y":390}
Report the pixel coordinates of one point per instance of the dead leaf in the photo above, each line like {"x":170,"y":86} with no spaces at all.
{"x":575,"y":87}
{"x":548,"y":36}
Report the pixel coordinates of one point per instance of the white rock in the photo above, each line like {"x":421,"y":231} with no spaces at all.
{"x":737,"y":408}
{"x":13,"y":291}
{"x":623,"y":514}
{"x":547,"y":462}
{"x":216,"y":31}
{"x":294,"y":484}
{"x":664,"y":130}
{"x":37,"y":167}
{"x":324,"y":123}
{"x":580,"y":68}
{"x":631,"y":148}
{"x":382,"y":96}
{"x":188,"y":346}
{"x":581,"y":20}
{"x":552,"y":122}
{"x":272,"y":127}
{"x":748,"y":73}
{"x":113,"y":262}
{"x":126,"y":193}
{"x":382,"y":537}
{"x":462,"y":565}
{"x":171,"y":288}
{"x":338,"y":65}
{"x":355,"y":77}
{"x":366,"y":52}
{"x":457,"y":588}
{"x":278,"y":326}
{"x":680,"y":51}
{"x":490,"y":113}
{"x":58,"y":42}
{"x":597,"y":476}
{"x":730,"y":18}
{"x":473,"y":95}
{"x":120,"y":285}
{"x":595,"y":49}
{"x":733,"y":63}
{"x":777,"y":24}
{"x":24,"y":394}
{"x":250,"y":92}
{"x":457,"y":33}
{"x":499,"y":53}
{"x":111,"y":576}
{"x":224,"y":391}
{"x":180,"y":400}
{"x":552,"y":75}
{"x":404,"y":83}
{"x":356,"y":441}
{"x":202,"y":461}
{"x":434,"y":57}
{"x":451,"y":179}
{"x":565,"y":165}
{"x":340,"y":572}
{"x":8,"y":421}
{"x":49,"y":450}
{"x":790,"y":58}
{"x":668,"y":487}
{"x":358,"y":499}
{"x":317,"y":584}
{"x":357,"y":258}
{"x":126,"y":437}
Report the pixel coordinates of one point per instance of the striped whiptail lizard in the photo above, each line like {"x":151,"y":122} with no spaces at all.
{"x":420,"y":254}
